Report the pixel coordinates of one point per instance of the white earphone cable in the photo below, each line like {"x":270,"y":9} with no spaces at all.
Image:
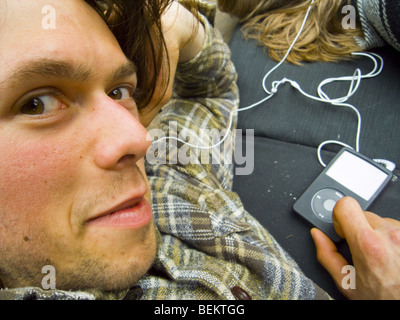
{"x":355,"y":81}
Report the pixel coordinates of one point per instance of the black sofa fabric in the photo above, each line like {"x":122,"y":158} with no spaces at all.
{"x":288,"y":129}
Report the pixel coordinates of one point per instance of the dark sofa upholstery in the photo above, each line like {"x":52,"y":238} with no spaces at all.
{"x":288,"y":129}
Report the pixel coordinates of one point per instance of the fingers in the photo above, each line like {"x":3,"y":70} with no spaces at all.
{"x":328,"y":255}
{"x":374,"y":244}
{"x":330,"y":258}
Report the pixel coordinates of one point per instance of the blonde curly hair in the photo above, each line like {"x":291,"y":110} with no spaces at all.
{"x":275,"y":25}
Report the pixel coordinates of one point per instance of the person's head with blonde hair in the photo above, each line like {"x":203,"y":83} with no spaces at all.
{"x":275,"y":25}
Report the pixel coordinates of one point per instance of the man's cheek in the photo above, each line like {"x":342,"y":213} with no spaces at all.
{"x":33,"y":177}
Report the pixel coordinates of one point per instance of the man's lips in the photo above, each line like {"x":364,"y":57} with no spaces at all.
{"x":131,"y":214}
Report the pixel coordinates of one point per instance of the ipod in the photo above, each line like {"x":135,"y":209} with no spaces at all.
{"x":348,"y":174}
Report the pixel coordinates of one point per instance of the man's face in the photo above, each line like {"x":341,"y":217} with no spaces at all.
{"x":73,"y":190}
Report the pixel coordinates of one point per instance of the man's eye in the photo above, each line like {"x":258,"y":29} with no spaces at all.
{"x":40,"y":105}
{"x":120,"y":93}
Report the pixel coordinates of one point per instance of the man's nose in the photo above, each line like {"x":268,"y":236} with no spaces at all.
{"x":121,"y":138}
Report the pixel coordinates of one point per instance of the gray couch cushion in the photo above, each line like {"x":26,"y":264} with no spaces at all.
{"x":291,"y":117}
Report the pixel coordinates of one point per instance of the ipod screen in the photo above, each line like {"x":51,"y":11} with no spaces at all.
{"x":357,"y":175}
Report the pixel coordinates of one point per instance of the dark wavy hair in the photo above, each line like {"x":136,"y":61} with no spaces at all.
{"x":136,"y":24}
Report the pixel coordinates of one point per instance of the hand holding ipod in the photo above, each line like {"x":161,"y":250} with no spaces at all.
{"x":375,"y":246}
{"x":348,"y":174}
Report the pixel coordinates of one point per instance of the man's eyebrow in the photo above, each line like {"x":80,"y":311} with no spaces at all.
{"x":125,"y":70}
{"x":65,"y":69}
